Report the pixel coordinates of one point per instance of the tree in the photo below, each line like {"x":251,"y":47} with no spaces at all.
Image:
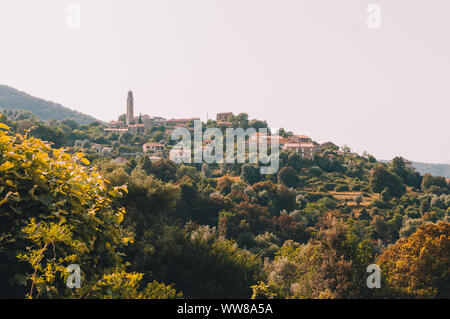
{"x":206,"y":171}
{"x":333,"y":266}
{"x":385,"y":194}
{"x":50,"y":134}
{"x":123,"y":118}
{"x":262,"y":291}
{"x":424,"y":205}
{"x":371,"y":159}
{"x":224,"y":185}
{"x":250,"y":174}
{"x":315,"y":171}
{"x":418,"y":266}
{"x":409,"y":176}
{"x":429,"y":181}
{"x":125,"y":138}
{"x":398,"y":163}
{"x":145,"y":164}
{"x":285,"y":198}
{"x":201,"y":264}
{"x":288,"y":176}
{"x":165,"y":170}
{"x":54,"y":210}
{"x":381,"y":178}
{"x":329,"y":164}
{"x":190,"y":171}
{"x":295,"y":161}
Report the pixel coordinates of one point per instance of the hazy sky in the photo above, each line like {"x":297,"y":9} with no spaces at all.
{"x":310,"y":66}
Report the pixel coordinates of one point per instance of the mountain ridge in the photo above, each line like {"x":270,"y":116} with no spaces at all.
{"x":435,"y":169}
{"x":14,"y":99}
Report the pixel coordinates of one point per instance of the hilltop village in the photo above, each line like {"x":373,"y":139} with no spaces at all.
{"x":158,"y":145}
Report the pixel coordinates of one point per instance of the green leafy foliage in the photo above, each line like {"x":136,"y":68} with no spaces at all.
{"x":55,"y":210}
{"x":155,"y":229}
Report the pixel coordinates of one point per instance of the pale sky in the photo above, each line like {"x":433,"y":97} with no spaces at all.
{"x":310,"y":66}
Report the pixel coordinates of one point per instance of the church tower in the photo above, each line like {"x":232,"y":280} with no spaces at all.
{"x":130,"y":108}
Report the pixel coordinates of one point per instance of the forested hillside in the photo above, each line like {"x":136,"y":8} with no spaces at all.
{"x":157,"y":229}
{"x":12,"y":99}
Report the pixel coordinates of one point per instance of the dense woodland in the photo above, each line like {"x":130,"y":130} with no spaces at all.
{"x":163,"y":230}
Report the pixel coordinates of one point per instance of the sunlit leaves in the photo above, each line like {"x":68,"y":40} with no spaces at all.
{"x":419,"y":266}
{"x":51,"y":198}
{"x":47,"y":259}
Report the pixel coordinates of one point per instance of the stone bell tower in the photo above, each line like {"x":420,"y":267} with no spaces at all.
{"x":130,"y":108}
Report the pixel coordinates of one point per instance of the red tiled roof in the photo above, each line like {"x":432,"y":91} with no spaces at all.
{"x":184,"y":120}
{"x":301,"y":136}
{"x":292,"y":145}
{"x":153,"y":144}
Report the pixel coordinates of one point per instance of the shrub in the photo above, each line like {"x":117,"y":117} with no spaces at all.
{"x":315,"y":171}
{"x":341,"y":188}
{"x":329,"y":186}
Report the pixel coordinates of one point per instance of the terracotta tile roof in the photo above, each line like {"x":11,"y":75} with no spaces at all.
{"x":300,"y":136}
{"x":292,"y":145}
{"x":153,"y":144}
{"x":184,"y":120}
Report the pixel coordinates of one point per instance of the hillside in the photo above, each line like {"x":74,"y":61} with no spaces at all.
{"x":12,"y":99}
{"x":213,"y":230}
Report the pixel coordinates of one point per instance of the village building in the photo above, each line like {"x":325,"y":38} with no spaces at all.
{"x":265,"y":138}
{"x":306,"y":150}
{"x":142,"y":119}
{"x":300,"y":139}
{"x":301,"y":144}
{"x":136,"y":129}
{"x":118,"y":130}
{"x":158,"y":121}
{"x":120,"y":160}
{"x":224,"y":117}
{"x":130,"y":108}
{"x":329,"y":145}
{"x":317,"y":148}
{"x":178,"y":155}
{"x":116,"y":124}
{"x":101,"y":149}
{"x":155,"y":158}
{"x":153,"y":147}
{"x":175,"y":122}
{"x":408,"y":163}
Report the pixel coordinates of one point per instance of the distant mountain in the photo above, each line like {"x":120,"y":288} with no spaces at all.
{"x":12,"y":99}
{"x":433,"y":169}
